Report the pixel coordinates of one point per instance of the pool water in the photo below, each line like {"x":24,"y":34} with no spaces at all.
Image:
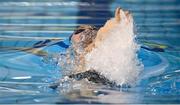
{"x":33,"y":33}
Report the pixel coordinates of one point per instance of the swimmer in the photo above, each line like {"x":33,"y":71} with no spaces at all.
{"x":88,"y":38}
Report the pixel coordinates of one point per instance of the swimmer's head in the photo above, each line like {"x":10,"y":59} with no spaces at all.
{"x":84,"y":35}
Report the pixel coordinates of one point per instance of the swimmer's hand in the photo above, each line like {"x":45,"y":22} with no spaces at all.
{"x":123,"y":18}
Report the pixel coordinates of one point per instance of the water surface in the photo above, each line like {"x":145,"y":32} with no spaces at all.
{"x":29,"y":36}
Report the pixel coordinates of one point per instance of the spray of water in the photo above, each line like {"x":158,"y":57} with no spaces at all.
{"x":116,"y":57}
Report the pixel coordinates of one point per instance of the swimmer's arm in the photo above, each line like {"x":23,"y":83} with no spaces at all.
{"x":111,"y":24}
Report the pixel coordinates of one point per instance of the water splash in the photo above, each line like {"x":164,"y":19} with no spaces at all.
{"x":116,"y":57}
{"x":69,"y":61}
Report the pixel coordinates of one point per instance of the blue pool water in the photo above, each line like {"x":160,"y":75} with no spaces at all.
{"x":30,"y":39}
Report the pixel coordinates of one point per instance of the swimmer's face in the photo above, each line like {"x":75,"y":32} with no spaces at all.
{"x":84,"y":34}
{"x":76,"y":37}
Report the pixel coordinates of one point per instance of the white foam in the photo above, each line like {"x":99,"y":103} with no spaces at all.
{"x":116,"y":57}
